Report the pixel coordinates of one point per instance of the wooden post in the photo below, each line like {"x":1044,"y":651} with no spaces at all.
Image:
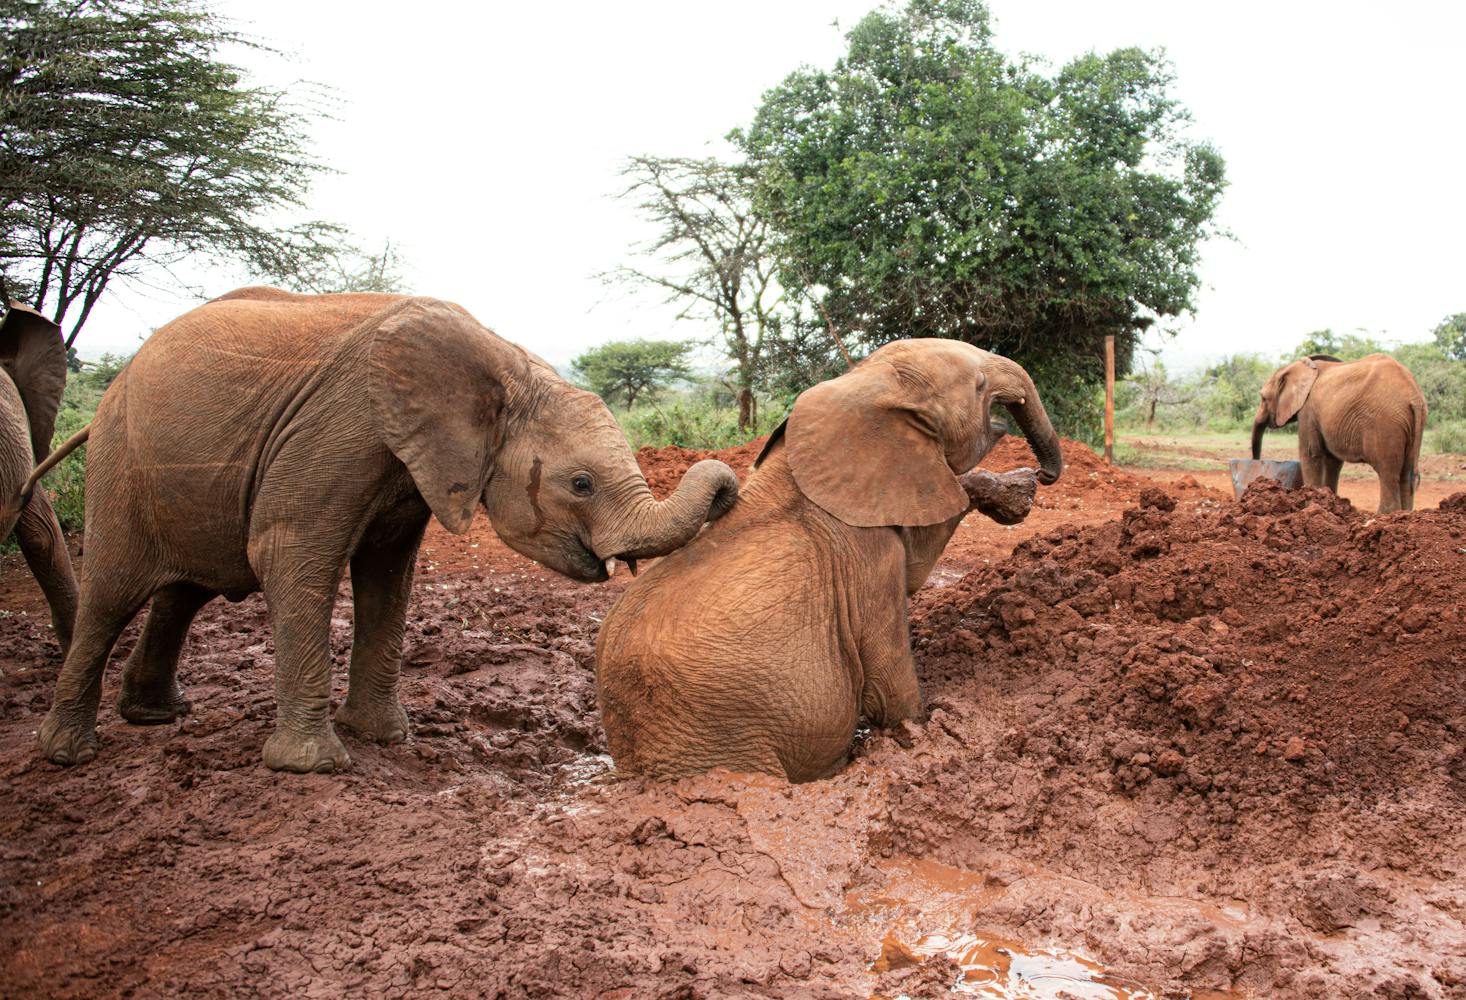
{"x":1109,"y":399}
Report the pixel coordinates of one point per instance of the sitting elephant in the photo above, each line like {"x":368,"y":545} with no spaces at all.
{"x":760,"y":645}
{"x":266,"y":440}
{"x":1370,"y":410}
{"x":32,"y":377}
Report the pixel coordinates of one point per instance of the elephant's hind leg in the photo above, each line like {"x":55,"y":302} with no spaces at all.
{"x":381,"y":585}
{"x":150,"y":692}
{"x":108,"y":602}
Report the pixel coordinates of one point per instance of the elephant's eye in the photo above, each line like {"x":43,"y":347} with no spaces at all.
{"x":581,"y":484}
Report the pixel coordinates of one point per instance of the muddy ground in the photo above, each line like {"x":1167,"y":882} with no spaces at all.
{"x":1218,"y":749}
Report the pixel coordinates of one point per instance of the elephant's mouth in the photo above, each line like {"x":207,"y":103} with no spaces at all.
{"x":609,"y":566}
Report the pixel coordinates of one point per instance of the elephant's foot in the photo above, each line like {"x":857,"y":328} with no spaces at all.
{"x":67,"y":740}
{"x":142,"y":707}
{"x":382,"y":721}
{"x":286,"y":750}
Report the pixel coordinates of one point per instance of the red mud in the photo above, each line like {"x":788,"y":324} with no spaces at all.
{"x":1209,"y":745}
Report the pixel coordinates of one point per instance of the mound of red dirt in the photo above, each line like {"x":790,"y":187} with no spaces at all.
{"x":663,"y":467}
{"x":1268,"y":698}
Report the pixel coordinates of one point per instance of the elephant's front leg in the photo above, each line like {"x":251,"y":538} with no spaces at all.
{"x":301,"y":595}
{"x":890,"y":691}
{"x":381,"y":584}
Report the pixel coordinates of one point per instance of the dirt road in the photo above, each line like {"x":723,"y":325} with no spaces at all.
{"x":1178,"y":746}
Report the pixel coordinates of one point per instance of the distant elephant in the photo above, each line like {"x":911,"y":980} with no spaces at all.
{"x":760,"y":645}
{"x":1370,"y":411}
{"x":265,"y":440}
{"x":32,"y":377}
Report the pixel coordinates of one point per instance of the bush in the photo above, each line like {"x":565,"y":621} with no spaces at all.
{"x":694,"y":421}
{"x":1448,"y":438}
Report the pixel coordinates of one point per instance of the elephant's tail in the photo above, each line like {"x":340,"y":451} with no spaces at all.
{"x":1410,"y":476}
{"x":52,"y":460}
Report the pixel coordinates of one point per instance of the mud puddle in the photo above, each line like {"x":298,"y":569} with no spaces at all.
{"x":1004,"y":970}
{"x":928,"y":912}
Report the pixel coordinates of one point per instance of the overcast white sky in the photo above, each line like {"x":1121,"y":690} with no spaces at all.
{"x":485,"y":140}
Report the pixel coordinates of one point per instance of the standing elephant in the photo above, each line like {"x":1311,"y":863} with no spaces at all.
{"x":266,"y":440}
{"x":760,"y":645}
{"x":1370,"y":411}
{"x":32,"y":377}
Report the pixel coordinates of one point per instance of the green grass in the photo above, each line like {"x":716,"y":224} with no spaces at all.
{"x":1209,"y":450}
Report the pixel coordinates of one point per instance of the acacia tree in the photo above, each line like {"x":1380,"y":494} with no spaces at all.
{"x":630,"y":368}
{"x":350,"y":270}
{"x":126,"y":145}
{"x":928,"y":185}
{"x":712,"y":254}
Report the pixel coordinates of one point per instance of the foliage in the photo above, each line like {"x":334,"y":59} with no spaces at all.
{"x":695,"y":420}
{"x":1448,"y":438}
{"x":928,"y":185}
{"x":346,"y":269}
{"x":127,"y":146}
{"x":65,"y":484}
{"x":1450,"y":336}
{"x":711,"y":253}
{"x":1154,"y":388}
{"x":1442,"y":379}
{"x":1232,"y":388}
{"x":626,"y":369}
{"x":1345,"y":346}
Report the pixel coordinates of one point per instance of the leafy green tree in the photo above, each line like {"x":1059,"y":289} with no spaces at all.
{"x":127,"y":146}
{"x":1344,"y":346}
{"x":1233,"y":386}
{"x":928,"y":185}
{"x":1442,"y":379}
{"x":712,"y":254}
{"x":1450,"y":335}
{"x":627,"y":369}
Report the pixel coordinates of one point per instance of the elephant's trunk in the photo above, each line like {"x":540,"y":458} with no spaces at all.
{"x":649,"y":527}
{"x":1259,"y":425}
{"x":1014,"y":389}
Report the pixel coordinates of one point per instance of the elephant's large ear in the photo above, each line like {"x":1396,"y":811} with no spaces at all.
{"x":868,"y":449}
{"x":1298,"y":381}
{"x":33,"y":353}
{"x":438,"y":385}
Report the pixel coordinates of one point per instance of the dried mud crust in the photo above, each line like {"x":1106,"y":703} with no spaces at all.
{"x":1214,"y":745}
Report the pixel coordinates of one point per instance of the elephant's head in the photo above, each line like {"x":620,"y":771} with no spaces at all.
{"x":33,"y":354}
{"x":1283,"y":395}
{"x":474,"y":417}
{"x":885,"y":443}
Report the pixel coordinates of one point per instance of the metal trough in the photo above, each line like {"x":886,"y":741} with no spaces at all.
{"x":1244,"y":470}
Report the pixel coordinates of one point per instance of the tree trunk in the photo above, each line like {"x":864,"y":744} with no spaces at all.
{"x":747,"y":410}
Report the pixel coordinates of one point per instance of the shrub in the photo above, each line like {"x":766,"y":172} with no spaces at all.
{"x":1449,"y":437}
{"x":693,"y":421}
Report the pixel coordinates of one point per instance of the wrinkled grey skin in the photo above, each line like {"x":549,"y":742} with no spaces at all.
{"x":32,"y":377}
{"x":267,"y":441}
